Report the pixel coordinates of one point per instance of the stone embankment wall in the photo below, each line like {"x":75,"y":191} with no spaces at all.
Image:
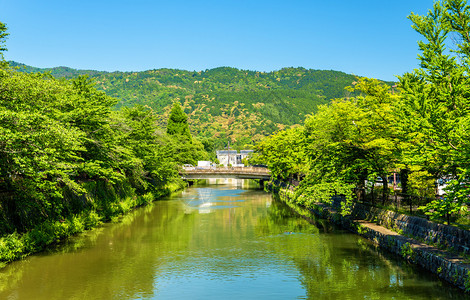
{"x":406,"y":236}
{"x":440,"y":235}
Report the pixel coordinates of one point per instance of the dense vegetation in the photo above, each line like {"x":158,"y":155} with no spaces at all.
{"x":223,"y":103}
{"x":69,"y":161}
{"x":80,"y":147}
{"x":420,"y":130}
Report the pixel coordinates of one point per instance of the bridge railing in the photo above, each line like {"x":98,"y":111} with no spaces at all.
{"x":228,"y":170}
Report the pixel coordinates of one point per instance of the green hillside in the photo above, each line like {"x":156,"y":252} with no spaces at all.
{"x":222,"y":103}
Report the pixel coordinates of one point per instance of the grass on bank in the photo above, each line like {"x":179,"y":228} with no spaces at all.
{"x":107,"y":206}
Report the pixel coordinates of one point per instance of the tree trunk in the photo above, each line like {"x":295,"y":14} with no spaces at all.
{"x":404,"y":188}
{"x":372,"y":194}
{"x":360,"y":193}
{"x":384,"y":189}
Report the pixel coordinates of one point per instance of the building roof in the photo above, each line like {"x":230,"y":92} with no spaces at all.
{"x":226,"y":152}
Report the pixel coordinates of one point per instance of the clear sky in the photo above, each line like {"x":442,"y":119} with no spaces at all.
{"x":364,"y":37}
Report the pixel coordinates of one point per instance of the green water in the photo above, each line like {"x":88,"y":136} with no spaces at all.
{"x":218,"y":242}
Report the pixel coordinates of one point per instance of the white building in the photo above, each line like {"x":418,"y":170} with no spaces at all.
{"x":232,"y":157}
{"x":204,"y":164}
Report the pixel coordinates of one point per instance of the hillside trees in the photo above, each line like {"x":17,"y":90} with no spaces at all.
{"x":260,"y":103}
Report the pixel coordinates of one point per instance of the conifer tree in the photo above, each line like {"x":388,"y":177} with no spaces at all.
{"x":3,"y":35}
{"x":178,"y":123}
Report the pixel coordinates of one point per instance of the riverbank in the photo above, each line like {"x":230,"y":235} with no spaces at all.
{"x":110,"y":203}
{"x":440,"y":249}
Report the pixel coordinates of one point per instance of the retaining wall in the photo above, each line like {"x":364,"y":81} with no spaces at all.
{"x":445,"y":264}
{"x":440,"y":235}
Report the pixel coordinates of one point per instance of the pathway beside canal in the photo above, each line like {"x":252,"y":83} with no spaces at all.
{"x":445,"y":263}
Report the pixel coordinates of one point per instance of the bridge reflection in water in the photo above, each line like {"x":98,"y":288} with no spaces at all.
{"x":193,"y":173}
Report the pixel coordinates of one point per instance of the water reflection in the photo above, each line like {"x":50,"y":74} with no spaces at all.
{"x":217,"y":242}
{"x":206,"y":200}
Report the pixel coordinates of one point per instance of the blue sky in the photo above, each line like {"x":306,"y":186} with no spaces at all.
{"x":362,"y":37}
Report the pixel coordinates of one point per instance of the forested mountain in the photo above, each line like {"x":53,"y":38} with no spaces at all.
{"x":222,"y":103}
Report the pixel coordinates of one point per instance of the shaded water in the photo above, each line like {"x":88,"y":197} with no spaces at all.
{"x":218,"y":242}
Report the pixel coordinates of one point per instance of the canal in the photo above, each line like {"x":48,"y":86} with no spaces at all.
{"x":226,"y":241}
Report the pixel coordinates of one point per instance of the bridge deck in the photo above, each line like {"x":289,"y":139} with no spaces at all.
{"x":226,"y":172}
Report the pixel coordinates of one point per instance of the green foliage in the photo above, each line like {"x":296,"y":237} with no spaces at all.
{"x":185,"y":149}
{"x":467,"y":282}
{"x":407,"y":251}
{"x":352,"y":139}
{"x":434,"y":108}
{"x":11,"y":247}
{"x":421,"y":184}
{"x":361,"y":229}
{"x":283,"y":153}
{"x":150,"y":164}
{"x":222,"y":103}
{"x":3,"y":35}
{"x":14,"y":246}
{"x":61,"y":144}
{"x":420,"y":129}
{"x":178,"y":123}
{"x":310,"y":192}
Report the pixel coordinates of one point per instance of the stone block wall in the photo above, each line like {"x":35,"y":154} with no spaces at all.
{"x":443,"y":264}
{"x":440,"y":235}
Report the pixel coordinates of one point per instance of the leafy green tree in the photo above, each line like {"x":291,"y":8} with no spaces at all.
{"x":350,"y":140}
{"x":376,"y":129}
{"x":283,"y":153}
{"x":436,"y":100}
{"x":209,"y":147}
{"x":183,"y":152}
{"x":39,"y":153}
{"x":149,"y":164}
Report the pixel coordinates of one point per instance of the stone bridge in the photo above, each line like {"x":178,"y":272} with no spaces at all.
{"x":193,"y":173}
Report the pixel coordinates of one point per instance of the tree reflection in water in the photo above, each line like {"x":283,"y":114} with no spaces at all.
{"x":245,"y":244}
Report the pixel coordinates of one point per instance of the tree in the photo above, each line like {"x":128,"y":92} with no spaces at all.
{"x":435,"y":110}
{"x":178,"y":123}
{"x":185,"y":149}
{"x":149,"y":165}
{"x":351,"y":140}
{"x":3,"y":36}
{"x":283,"y":153}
